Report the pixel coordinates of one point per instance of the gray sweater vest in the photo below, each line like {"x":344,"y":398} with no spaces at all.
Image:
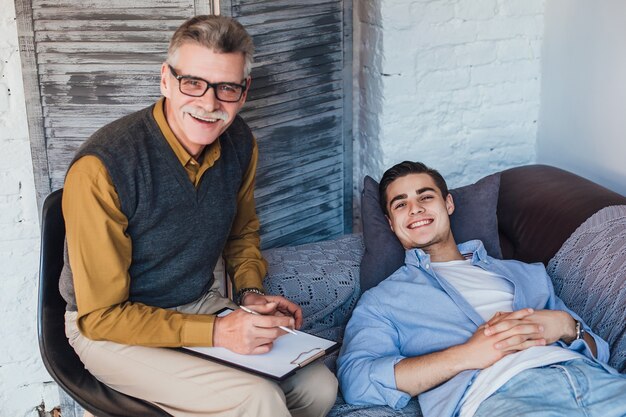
{"x":178,"y":232}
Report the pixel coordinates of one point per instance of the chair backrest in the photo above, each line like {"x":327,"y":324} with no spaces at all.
{"x":58,"y":356}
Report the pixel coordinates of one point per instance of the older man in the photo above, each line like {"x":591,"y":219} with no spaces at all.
{"x":151,"y":202}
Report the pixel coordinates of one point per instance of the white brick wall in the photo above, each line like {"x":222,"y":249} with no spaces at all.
{"x":24,"y":383}
{"x":452,"y":83}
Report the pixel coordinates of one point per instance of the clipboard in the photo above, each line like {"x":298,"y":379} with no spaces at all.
{"x":289,"y":353}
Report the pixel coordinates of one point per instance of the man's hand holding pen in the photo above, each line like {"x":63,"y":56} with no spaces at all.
{"x":282,"y":306}
{"x":246,"y":333}
{"x":287,"y":329}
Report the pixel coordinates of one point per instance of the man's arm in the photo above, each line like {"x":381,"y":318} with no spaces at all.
{"x":422,"y":373}
{"x":370,"y":350}
{"x":244,"y":262}
{"x":372,"y":369}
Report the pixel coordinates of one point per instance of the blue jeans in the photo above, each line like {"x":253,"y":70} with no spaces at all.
{"x":572,"y":388}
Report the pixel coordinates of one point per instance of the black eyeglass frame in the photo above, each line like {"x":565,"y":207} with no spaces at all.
{"x":215,"y":86}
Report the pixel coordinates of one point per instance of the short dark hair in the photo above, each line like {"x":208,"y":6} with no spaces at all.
{"x":402,"y":170}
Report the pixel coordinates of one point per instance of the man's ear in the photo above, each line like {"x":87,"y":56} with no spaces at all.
{"x":165,"y":84}
{"x":449,"y":204}
{"x":245,"y":93}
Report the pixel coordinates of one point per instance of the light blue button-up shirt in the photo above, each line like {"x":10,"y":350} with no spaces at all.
{"x":414,"y":313}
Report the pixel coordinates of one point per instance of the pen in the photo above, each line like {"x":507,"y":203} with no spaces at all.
{"x":247,"y":310}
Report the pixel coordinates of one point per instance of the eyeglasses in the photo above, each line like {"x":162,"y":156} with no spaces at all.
{"x":197,"y":87}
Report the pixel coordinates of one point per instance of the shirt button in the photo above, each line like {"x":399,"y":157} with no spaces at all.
{"x":427,"y":266}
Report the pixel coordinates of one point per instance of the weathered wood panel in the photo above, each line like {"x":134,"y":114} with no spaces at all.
{"x":70,"y":49}
{"x":313,"y":231}
{"x":297,"y":22}
{"x":294,"y":179}
{"x":273,"y":12}
{"x":112,"y":4}
{"x":294,"y":115}
{"x":298,"y":110}
{"x":297,"y":59}
{"x":306,"y":200}
{"x":52,"y":27}
{"x":26,"y":39}
{"x":130,"y":69}
{"x":104,"y":11}
{"x":297,"y":44}
{"x":95,"y":35}
{"x":325,"y":68}
{"x":304,"y":106}
{"x":296,"y":228}
{"x":303,"y":212}
{"x":308,"y":167}
{"x":299,"y":136}
{"x":94,"y":61}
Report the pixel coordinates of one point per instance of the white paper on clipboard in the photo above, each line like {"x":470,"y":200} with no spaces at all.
{"x":289,"y":353}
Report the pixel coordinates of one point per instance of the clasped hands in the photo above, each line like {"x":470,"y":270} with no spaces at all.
{"x":510,"y":332}
{"x":247,"y":333}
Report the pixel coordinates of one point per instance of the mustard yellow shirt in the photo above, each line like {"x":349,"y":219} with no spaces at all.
{"x":100,"y":253}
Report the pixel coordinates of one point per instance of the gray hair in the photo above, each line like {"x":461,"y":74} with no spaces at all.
{"x":219,"y":33}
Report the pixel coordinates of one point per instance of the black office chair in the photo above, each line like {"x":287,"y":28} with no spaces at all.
{"x":58,"y":356}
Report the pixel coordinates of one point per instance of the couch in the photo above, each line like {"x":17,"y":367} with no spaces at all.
{"x":540,"y":214}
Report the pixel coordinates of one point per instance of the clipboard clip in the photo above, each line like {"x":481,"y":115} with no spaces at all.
{"x":308,"y":359}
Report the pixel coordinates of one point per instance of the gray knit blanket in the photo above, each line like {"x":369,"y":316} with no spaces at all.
{"x":589,"y":274}
{"x":322,"y":277}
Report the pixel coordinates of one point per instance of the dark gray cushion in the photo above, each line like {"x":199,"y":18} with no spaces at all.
{"x":474,"y":217}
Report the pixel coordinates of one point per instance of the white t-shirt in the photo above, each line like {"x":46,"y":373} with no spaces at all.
{"x":488,"y":293}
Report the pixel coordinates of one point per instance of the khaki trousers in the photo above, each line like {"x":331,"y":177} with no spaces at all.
{"x":184,"y":385}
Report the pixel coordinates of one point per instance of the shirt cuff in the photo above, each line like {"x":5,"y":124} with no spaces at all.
{"x":382,"y":375}
{"x":197,"y":330}
{"x":250,"y":276}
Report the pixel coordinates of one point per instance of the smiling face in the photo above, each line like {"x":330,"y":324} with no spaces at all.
{"x":420,"y":216}
{"x":199,"y":121}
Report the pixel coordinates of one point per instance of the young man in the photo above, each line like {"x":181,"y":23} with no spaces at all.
{"x":467,"y":333}
{"x":151,"y":202}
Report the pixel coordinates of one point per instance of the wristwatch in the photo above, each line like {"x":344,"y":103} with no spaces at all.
{"x":580,"y":331}
{"x":244,"y":291}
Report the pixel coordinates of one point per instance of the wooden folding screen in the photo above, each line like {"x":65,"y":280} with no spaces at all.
{"x":88,"y":62}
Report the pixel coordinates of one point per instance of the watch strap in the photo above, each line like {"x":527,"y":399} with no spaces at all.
{"x":244,"y":291}
{"x":580,"y":330}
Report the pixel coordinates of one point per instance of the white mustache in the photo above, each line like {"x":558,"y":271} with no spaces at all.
{"x":198,"y":112}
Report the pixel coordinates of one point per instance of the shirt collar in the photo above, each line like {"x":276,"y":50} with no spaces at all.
{"x":417,"y":257}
